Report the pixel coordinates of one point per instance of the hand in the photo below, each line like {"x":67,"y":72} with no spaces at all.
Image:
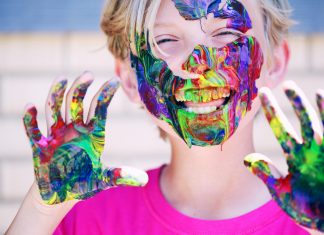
{"x":67,"y":162}
{"x":301,"y":193}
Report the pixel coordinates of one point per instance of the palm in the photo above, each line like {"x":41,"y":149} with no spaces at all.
{"x":73,"y":170}
{"x":67,"y":162}
{"x":301,"y":193}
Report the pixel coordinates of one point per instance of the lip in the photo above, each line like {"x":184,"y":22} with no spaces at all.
{"x":205,"y":81}
{"x":217,"y":102}
{"x":219,"y":111}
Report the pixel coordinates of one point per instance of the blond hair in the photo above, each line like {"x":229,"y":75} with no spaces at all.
{"x":121,"y":19}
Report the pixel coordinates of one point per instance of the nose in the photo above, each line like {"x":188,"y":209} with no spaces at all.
{"x":199,"y":61}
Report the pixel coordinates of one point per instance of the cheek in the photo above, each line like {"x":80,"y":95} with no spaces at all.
{"x":249,"y":117}
{"x":256,"y":105}
{"x":264,"y":77}
{"x":163,"y":125}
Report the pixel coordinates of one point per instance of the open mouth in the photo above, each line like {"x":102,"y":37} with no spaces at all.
{"x":203,"y":101}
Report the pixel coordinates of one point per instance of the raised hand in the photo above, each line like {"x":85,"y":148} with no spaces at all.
{"x":301,"y":193}
{"x":67,"y":162}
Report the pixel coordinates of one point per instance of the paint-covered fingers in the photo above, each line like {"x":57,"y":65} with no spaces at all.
{"x":74,"y":99}
{"x":123,"y":176}
{"x":265,"y":170}
{"x":54,"y":103}
{"x":305,"y":112}
{"x":320,"y":104}
{"x":31,"y":125}
{"x":262,"y":167}
{"x":98,"y":108}
{"x":77,"y":103}
{"x":279,"y":124}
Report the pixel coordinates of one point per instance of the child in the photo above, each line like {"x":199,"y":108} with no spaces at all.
{"x":197,"y":67}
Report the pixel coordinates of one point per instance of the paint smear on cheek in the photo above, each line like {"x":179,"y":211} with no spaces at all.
{"x":231,"y":66}
{"x":230,"y":71}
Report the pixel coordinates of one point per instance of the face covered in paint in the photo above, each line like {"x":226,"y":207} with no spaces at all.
{"x":224,"y":79}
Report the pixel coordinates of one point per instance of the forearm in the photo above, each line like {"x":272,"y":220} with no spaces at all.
{"x":35,"y":217}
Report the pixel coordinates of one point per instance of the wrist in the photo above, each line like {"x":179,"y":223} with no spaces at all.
{"x":37,"y":202}
{"x":34,"y":209}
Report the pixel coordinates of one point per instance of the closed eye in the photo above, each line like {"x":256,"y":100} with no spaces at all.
{"x":165,"y":40}
{"x":229,"y":33}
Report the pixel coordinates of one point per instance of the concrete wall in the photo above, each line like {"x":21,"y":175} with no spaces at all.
{"x":28,"y":64}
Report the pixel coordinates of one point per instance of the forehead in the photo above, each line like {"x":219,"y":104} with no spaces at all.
{"x":193,"y":9}
{"x":232,"y":10}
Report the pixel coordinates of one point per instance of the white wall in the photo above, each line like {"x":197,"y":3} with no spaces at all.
{"x":28,"y":64}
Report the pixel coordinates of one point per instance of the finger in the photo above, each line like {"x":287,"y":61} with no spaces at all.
{"x":123,"y":176}
{"x":54,"y":103}
{"x":101,"y":101}
{"x":305,"y":112}
{"x":279,"y":124}
{"x":77,"y":102}
{"x":263,"y":168}
{"x":258,"y":164}
{"x":85,"y":78}
{"x":31,"y":125}
{"x":320,"y":104}
{"x":278,"y":186}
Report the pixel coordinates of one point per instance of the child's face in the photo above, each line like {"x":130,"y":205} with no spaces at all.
{"x":200,"y":74}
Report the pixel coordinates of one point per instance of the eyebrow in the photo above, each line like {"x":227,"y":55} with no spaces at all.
{"x":166,"y":25}
{"x":163,"y":24}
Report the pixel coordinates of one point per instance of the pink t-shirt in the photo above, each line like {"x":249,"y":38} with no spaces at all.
{"x":144,"y":210}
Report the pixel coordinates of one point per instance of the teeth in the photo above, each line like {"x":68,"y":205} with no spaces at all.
{"x":215,"y":94}
{"x":202,"y":95}
{"x":201,"y":110}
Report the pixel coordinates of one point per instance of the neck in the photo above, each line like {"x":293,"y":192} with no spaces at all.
{"x":212,"y":182}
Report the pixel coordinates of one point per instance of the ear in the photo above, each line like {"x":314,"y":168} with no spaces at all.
{"x":279,"y":64}
{"x":128,"y":79}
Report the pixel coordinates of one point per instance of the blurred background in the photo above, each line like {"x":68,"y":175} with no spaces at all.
{"x":40,"y":40}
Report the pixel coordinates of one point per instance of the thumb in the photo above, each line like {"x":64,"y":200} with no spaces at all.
{"x":124,"y":176}
{"x":262,"y":167}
